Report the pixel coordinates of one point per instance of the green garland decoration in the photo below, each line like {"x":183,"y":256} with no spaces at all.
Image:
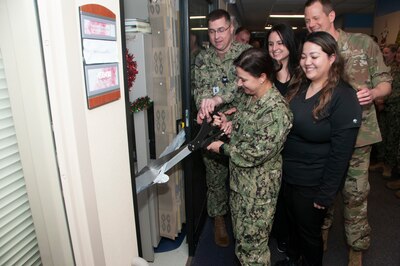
{"x":140,"y":104}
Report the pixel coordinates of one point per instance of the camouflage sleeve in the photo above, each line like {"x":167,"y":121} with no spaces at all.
{"x":264,"y":141}
{"x":377,"y":68}
{"x":202,"y":86}
{"x":228,"y":92}
{"x":394,"y":97}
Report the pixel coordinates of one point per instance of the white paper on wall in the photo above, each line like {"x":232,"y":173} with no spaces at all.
{"x":99,"y":51}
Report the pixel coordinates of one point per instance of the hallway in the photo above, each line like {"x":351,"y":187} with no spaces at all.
{"x":384,"y":218}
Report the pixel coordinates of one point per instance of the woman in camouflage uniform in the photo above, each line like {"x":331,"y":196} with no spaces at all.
{"x":259,"y":129}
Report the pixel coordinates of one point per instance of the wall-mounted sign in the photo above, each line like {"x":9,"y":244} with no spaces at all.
{"x":97,"y":28}
{"x":101,"y":78}
{"x":100,"y":55}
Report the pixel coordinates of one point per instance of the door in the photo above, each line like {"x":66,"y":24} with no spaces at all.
{"x":195,"y":183}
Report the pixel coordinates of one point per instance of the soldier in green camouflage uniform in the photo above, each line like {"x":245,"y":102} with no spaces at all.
{"x":389,"y":124}
{"x":259,"y":129}
{"x":214,"y":76}
{"x":392,"y":111}
{"x":367,"y":73}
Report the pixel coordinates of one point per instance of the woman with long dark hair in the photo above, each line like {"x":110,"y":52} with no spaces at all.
{"x":282,"y":46}
{"x":316,"y":155}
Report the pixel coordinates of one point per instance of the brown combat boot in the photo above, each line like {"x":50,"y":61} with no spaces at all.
{"x":221,"y":237}
{"x":393,"y":184}
{"x":325,"y":233}
{"x":376,"y":166}
{"x":355,"y":258}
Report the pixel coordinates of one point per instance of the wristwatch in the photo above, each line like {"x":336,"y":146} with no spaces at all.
{"x":221,"y":149}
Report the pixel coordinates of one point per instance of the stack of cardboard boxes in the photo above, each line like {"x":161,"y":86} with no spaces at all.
{"x":167,"y":108}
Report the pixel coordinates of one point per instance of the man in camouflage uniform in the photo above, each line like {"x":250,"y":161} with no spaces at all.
{"x":387,"y":120}
{"x":215,"y":76}
{"x":368,"y":74}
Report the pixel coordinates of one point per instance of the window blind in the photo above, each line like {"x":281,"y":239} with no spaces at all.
{"x":18,"y":243}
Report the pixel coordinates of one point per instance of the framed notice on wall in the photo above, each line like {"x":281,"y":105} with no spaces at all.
{"x":100,"y":55}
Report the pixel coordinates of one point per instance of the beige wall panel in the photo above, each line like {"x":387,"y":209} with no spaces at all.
{"x":157,"y":29}
{"x":160,"y":62}
{"x":164,"y":120}
{"x":160,"y":90}
{"x":158,"y":9}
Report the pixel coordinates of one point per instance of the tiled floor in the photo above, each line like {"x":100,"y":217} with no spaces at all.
{"x":176,"y":257}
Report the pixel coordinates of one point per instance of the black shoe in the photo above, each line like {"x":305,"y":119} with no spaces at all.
{"x":281,"y":246}
{"x":288,"y":262}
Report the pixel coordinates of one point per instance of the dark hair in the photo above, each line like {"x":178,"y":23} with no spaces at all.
{"x":288,"y":38}
{"x":256,"y":61}
{"x":240,"y":29}
{"x":217,"y":14}
{"x":326,"y":5}
{"x":336,"y":72}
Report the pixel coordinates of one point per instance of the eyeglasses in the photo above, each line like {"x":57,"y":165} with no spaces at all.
{"x":219,"y":30}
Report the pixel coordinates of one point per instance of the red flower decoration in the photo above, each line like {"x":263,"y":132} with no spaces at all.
{"x":131,"y":68}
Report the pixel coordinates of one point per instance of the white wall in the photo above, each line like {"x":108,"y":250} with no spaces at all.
{"x":21,"y":49}
{"x":91,"y":145}
{"x":136,"y":9}
{"x":387,"y":28}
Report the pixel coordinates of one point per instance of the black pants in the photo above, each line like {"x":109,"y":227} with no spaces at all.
{"x":304,"y":223}
{"x":279,"y":227}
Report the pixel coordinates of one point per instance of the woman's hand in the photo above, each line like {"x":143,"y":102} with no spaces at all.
{"x":222,"y":122}
{"x":207,"y":106}
{"x":230,"y":111}
{"x":214,"y":146}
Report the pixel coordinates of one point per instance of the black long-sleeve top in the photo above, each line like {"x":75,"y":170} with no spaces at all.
{"x":317,"y":152}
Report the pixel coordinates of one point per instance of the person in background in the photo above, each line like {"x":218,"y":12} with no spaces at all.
{"x":255,"y":43}
{"x":259,"y":128}
{"x":318,"y":149}
{"x":387,"y":123}
{"x":389,"y":53}
{"x":392,"y":145}
{"x":214,"y":85}
{"x":195,"y":48}
{"x":282,"y":47}
{"x":370,"y":77}
{"x":242,"y":35}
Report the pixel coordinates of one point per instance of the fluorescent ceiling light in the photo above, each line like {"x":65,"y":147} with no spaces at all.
{"x":197,"y":17}
{"x":199,"y":28}
{"x":286,"y":16}
{"x":269,"y":27}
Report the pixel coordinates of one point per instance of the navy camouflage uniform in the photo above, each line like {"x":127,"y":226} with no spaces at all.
{"x":213,"y":76}
{"x":259,"y":132}
{"x":391,"y":139}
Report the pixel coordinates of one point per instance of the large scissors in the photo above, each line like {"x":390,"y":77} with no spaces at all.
{"x":154,"y":172}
